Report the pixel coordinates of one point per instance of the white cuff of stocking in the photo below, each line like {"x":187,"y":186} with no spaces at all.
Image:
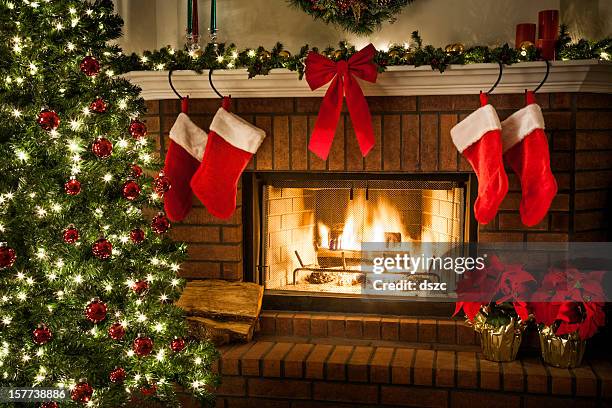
{"x":471,"y":129}
{"x":520,"y":124}
{"x":237,"y":131}
{"x":189,"y":136}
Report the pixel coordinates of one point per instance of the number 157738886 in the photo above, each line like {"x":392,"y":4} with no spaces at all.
{"x":32,"y":394}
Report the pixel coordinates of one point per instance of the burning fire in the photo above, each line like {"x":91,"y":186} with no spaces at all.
{"x":373,"y":220}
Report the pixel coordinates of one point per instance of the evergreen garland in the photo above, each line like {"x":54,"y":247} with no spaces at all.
{"x":356,"y":16}
{"x":259,"y":61}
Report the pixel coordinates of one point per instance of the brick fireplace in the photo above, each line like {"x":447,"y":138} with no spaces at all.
{"x":310,"y":354}
{"x":412,"y":141}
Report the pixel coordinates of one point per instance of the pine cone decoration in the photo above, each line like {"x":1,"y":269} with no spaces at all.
{"x":345,"y":5}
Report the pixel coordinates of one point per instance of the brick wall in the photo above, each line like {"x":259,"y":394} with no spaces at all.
{"x":412,"y":136}
{"x":291,"y":228}
{"x":441,"y":216}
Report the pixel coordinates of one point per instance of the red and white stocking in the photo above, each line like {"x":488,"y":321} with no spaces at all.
{"x":187,"y":144}
{"x":478,"y":138}
{"x":232,"y":141}
{"x":526,"y":150}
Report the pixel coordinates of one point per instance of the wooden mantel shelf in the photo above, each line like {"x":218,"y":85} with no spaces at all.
{"x":565,"y":76}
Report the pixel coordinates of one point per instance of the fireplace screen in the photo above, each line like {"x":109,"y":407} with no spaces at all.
{"x":313,"y":230}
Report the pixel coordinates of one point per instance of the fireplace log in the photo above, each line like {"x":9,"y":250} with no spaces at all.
{"x":222,"y":300}
{"x":220,"y":310}
{"x":220,"y":332}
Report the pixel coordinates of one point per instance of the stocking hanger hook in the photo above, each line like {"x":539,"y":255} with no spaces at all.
{"x":501,"y":71}
{"x":172,"y":85}
{"x":184,"y":99}
{"x":213,"y":85}
{"x":545,"y":77}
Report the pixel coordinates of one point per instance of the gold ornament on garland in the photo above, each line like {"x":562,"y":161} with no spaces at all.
{"x":284,"y":54}
{"x":456,"y":48}
{"x":525,"y":45}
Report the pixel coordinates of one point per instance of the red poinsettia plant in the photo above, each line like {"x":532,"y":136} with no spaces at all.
{"x":570,"y":301}
{"x":502,"y":290}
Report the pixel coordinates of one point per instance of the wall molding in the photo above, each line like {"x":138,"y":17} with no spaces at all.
{"x":565,"y":76}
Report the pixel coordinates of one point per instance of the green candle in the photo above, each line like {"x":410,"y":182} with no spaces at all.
{"x":189,"y":17}
{"x":213,"y":16}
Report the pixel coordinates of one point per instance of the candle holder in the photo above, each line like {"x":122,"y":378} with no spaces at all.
{"x":213,"y":35}
{"x":193,"y":28}
{"x":193,"y":43}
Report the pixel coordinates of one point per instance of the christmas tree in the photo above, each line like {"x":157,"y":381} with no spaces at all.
{"x":88,"y":276}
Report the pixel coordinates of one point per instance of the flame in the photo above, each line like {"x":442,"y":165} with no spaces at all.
{"x":366,"y":221}
{"x":323,"y":235}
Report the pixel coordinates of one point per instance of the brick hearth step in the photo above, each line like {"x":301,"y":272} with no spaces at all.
{"x":368,"y":327}
{"x":293,"y":372}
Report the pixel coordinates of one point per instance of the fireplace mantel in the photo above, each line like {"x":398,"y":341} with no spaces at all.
{"x":565,"y":76}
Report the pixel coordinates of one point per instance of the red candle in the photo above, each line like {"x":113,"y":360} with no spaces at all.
{"x":525,"y":32}
{"x":548,"y":24}
{"x":547,"y":49}
{"x":196,"y":20}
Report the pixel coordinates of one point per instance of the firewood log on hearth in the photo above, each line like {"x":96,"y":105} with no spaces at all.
{"x":222,"y":311}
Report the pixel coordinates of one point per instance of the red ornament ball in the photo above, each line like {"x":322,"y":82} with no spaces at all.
{"x":140,"y":287}
{"x":116,"y":331}
{"x":136,"y":170}
{"x":8,"y":256}
{"x":117,"y":376}
{"x":137,"y":235}
{"x":150,"y":390}
{"x":102,"y":249}
{"x":138,"y":129}
{"x":98,"y":106}
{"x":178,"y":344}
{"x":72,"y":187}
{"x":161,"y":184}
{"x":81,"y":392}
{"x":131,"y":190}
{"x":42,"y":334}
{"x":48,"y":120}
{"x":102,"y":148}
{"x":142,"y":346}
{"x":160,"y":223}
{"x":96,"y":311}
{"x":90,"y":66}
{"x":70,"y":235}
{"x":49,"y":404}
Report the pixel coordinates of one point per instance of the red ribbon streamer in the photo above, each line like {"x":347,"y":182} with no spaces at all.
{"x":319,"y":71}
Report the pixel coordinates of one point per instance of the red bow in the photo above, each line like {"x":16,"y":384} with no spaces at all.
{"x":319,"y":71}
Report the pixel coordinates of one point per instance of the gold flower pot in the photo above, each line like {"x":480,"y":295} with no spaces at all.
{"x":499,"y":343}
{"x":561,"y":352}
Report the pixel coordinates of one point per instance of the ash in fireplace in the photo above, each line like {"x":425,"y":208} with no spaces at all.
{"x":319,"y":278}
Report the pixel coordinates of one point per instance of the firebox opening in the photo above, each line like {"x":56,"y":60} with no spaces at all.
{"x":312,"y":230}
